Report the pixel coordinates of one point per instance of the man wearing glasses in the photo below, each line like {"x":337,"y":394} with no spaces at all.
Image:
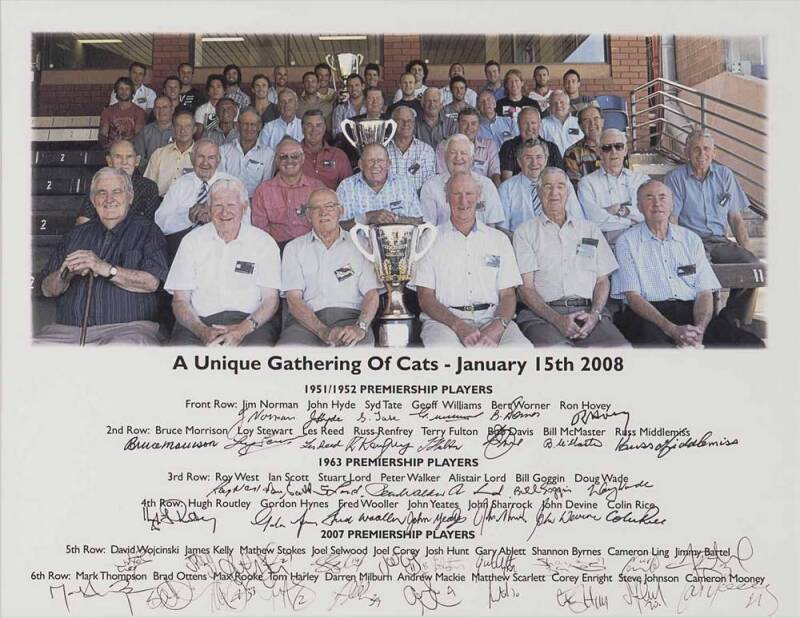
{"x":331,"y":289}
{"x":375,"y":195}
{"x":608,"y":195}
{"x":278,"y":202}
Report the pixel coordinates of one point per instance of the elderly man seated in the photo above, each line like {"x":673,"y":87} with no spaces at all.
{"x":519,"y":195}
{"x":485,"y":158}
{"x":560,"y":126}
{"x":246,"y":158}
{"x":529,"y":121}
{"x":286,"y":124}
{"x":667,"y":282}
{"x":565,"y":263}
{"x":376,"y":195}
{"x":125,"y":255}
{"x":707,"y":198}
{"x":330,"y":287}
{"x":409,"y":156}
{"x":583,"y":157}
{"x":186,"y":203}
{"x":226,"y":277}
{"x":608,"y":195}
{"x":458,"y":157}
{"x":122,"y":156}
{"x":466,"y":282}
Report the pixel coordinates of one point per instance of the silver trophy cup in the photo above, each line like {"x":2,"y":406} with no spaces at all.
{"x":344,"y":64}
{"x":393,"y":251}
{"x":362,"y":132}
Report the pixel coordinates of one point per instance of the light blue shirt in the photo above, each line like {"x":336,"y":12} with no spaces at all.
{"x":418,"y":163}
{"x":273,"y":132}
{"x":500,"y":130}
{"x":251,"y":168}
{"x":703,"y":205}
{"x":599,"y":190}
{"x":397,"y":195}
{"x":516,"y":196}
{"x":343,"y":112}
{"x":662,"y":269}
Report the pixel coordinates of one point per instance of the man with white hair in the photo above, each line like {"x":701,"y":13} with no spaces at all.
{"x":565,"y":264}
{"x":286,"y":124}
{"x":608,"y":195}
{"x":560,"y":126}
{"x":226,"y":276}
{"x":433,"y":126}
{"x":519,"y":194}
{"x":466,"y":282}
{"x":459,"y":157}
{"x":707,"y":199}
{"x":410,"y":157}
{"x":246,"y":158}
{"x":486,"y":159}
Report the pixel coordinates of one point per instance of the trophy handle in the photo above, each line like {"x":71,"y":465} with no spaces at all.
{"x":360,"y":60}
{"x":391,"y":126}
{"x":357,"y":241}
{"x":418,"y":255}
{"x":349,"y":124}
{"x":329,"y":62}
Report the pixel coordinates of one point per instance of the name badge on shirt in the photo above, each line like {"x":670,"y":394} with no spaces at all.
{"x":480,"y":205}
{"x":587,"y":247}
{"x":187,"y":170}
{"x":506,"y":133}
{"x":141,"y":100}
{"x":478,"y":162}
{"x":574,"y":131}
{"x":689,"y":269}
{"x":254,"y":162}
{"x":398,"y":205}
{"x":492,"y":261}
{"x":413,"y":169}
{"x":329,"y":163}
{"x":344,"y":272}
{"x":724,"y":199}
{"x":246,"y":268}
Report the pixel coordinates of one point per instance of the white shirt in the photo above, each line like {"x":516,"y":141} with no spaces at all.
{"x":225,"y":276}
{"x":436,"y":210}
{"x":567,"y":260}
{"x":338,"y":276}
{"x":144,"y":97}
{"x":599,"y":190}
{"x":251,"y":168}
{"x":173,"y":214}
{"x":273,"y":132}
{"x":562,"y":135}
{"x":468,"y":270}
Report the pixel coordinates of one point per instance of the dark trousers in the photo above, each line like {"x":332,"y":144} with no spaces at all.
{"x":720,"y":250}
{"x":266,"y":335}
{"x":719,"y":332}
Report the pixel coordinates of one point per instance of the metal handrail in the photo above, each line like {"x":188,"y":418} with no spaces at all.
{"x":664,"y":92}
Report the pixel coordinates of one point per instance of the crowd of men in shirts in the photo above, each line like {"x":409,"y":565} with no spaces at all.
{"x":225,"y":202}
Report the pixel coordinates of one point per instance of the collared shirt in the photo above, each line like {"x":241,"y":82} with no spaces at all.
{"x":418,"y":162}
{"x":303,"y":105}
{"x":217,"y":136}
{"x":675,"y":268}
{"x":252,"y":167}
{"x":330,"y":165}
{"x":273,"y":132}
{"x":432,"y":135}
{"x":519,"y":205}
{"x":599,"y":190}
{"x":167,"y":164}
{"x":418,"y":92}
{"x":485,"y":162}
{"x":471,"y":98}
{"x":343,"y":112}
{"x":191,"y":99}
{"x":240,"y":96}
{"x":145,"y":199}
{"x":567,"y":260}
{"x":703,"y":205}
{"x":338,"y":276}
{"x":508,"y":156}
{"x":144,"y":97}
{"x":498,"y":92}
{"x":562,"y":135}
{"x":580,"y":160}
{"x":276,"y":207}
{"x":173,"y":214}
{"x":500,"y":129}
{"x":397,"y":195}
{"x":468,"y":270}
{"x":151,"y":138}
{"x":436,"y":210}
{"x":134,"y":243}
{"x":225,"y":276}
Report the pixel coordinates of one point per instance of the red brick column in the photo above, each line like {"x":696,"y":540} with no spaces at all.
{"x":169,"y":50}
{"x":397,"y":51}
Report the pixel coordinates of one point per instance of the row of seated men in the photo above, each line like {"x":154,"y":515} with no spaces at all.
{"x":227,"y":273}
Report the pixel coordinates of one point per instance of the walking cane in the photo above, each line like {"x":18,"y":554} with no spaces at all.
{"x":85,"y":324}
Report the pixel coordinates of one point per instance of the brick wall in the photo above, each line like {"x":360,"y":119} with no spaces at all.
{"x":169,"y":50}
{"x":397,"y":51}
{"x":72,"y":99}
{"x":698,"y":58}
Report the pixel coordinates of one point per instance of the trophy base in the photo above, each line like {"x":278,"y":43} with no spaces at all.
{"x":396,"y":333}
